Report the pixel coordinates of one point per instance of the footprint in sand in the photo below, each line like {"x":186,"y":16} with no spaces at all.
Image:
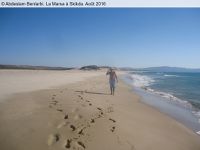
{"x":53,"y":96}
{"x":92,"y":121}
{"x":60,"y":110}
{"x":112,"y":129}
{"x":99,"y":116}
{"x":52,"y":139}
{"x":101,"y":111}
{"x":81,"y":144}
{"x":68,"y":144}
{"x":80,"y":96}
{"x":73,"y":127}
{"x":66,"y":116}
{"x":74,"y":145}
{"x":112,"y":120}
{"x":54,"y":102}
{"x":80,"y":131}
{"x":99,"y":108}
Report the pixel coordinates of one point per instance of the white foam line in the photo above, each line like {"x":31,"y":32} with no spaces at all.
{"x":198,"y":132}
{"x":141,"y":80}
{"x":170,"y":75}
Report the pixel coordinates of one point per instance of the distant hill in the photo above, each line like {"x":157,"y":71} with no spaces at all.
{"x":108,"y":67}
{"x":161,"y":69}
{"x":104,"y":67}
{"x":90,"y":67}
{"x":32,"y":67}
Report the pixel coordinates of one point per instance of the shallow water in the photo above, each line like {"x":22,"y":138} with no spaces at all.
{"x":179,"y":111}
{"x":183,"y":86}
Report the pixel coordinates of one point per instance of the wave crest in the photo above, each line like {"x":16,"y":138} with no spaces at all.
{"x":141,"y":80}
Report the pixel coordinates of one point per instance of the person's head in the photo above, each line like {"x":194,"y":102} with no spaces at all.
{"x":111,"y":70}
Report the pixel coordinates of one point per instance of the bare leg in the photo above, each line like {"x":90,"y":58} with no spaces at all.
{"x":111,"y":90}
{"x":112,"y":87}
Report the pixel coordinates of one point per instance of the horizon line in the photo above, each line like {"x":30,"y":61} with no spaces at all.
{"x":96,"y":65}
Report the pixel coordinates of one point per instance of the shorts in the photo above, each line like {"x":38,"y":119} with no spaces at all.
{"x":112,"y":83}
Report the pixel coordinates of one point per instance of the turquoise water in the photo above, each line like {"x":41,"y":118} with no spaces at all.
{"x":175,"y":94}
{"x":184,"y":86}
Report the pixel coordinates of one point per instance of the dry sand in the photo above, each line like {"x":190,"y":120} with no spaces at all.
{"x":82,"y":115}
{"x":15,"y":81}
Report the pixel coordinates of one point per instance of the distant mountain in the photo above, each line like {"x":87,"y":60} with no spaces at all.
{"x":161,"y":69}
{"x":32,"y":67}
{"x":170,"y":69}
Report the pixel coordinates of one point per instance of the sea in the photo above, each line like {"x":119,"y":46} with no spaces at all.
{"x":176,"y":94}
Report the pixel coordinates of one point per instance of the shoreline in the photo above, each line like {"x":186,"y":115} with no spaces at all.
{"x":173,"y":109}
{"x":83,"y":115}
{"x":177,"y":112}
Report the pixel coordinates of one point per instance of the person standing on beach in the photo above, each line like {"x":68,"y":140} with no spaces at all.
{"x":112,"y":80}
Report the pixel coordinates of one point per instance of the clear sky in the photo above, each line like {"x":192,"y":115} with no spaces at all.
{"x":116,"y":37}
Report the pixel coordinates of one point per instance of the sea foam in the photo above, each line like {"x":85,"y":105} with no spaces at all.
{"x":141,"y":80}
{"x":170,"y":75}
{"x":146,"y":83}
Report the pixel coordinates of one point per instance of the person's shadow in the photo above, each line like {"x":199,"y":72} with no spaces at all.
{"x":89,"y":92}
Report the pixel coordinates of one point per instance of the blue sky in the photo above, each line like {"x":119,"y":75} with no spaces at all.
{"x":118,"y":37}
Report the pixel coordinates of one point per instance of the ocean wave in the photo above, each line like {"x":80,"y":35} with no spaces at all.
{"x":198,"y":132}
{"x":141,"y":80}
{"x":197,"y":113}
{"x":144,"y":82}
{"x":170,"y":97}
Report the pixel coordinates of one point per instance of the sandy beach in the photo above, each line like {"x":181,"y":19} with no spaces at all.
{"x":74,"y":110}
{"x":16,"y":81}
